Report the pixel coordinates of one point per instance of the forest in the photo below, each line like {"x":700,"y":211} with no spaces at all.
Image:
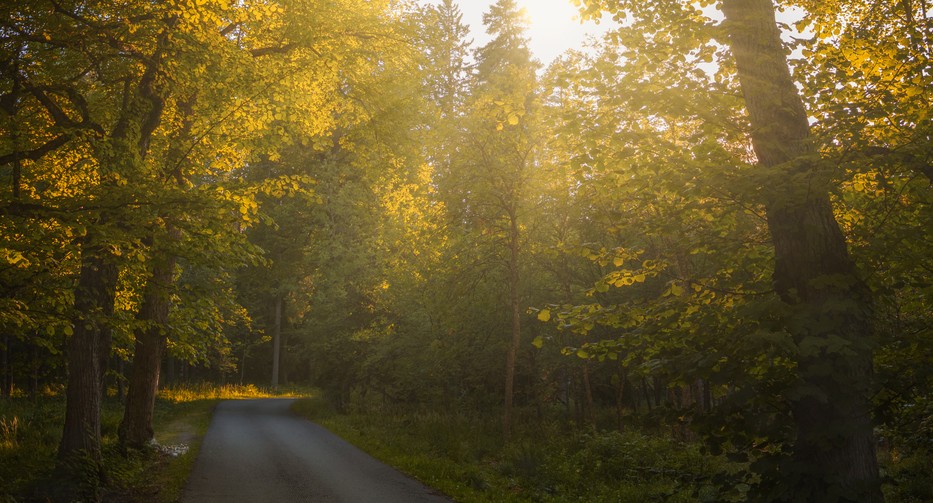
{"x":710,"y":226}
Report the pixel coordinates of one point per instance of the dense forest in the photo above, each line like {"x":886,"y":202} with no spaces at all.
{"x":711,"y":223}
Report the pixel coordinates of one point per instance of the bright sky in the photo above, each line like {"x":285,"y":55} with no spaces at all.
{"x":554,"y":25}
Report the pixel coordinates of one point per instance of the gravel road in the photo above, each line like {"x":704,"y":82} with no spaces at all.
{"x":258,"y":451}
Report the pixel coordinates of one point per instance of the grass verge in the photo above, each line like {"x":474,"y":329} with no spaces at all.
{"x":465,"y":458}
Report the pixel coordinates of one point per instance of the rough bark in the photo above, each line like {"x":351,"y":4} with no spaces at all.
{"x":88,"y":350}
{"x":136,"y":427}
{"x":834,"y":455}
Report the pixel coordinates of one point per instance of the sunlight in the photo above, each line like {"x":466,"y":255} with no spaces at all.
{"x":549,"y":18}
{"x":552,"y":24}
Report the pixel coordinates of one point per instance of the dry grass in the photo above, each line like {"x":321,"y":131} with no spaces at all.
{"x":206,"y":391}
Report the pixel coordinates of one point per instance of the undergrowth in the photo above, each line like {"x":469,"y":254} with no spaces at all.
{"x":463,"y":456}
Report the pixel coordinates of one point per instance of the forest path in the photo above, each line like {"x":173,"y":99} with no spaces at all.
{"x":258,"y":451}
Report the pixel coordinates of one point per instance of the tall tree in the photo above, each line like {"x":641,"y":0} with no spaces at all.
{"x":834,"y":451}
{"x":499,"y":159}
{"x":833,"y":454}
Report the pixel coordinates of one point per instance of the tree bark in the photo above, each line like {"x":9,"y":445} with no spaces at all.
{"x":88,"y":350}
{"x":135,"y":430}
{"x":834,"y":454}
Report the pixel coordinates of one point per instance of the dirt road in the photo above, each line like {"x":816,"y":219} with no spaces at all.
{"x":258,"y":451}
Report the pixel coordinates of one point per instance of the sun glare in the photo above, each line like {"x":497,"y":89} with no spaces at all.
{"x":554,"y":27}
{"x":550,"y":17}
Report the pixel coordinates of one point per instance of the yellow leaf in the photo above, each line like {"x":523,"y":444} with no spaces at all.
{"x":544,"y":315}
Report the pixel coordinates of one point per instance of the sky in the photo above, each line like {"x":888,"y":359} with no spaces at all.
{"x":554,"y":28}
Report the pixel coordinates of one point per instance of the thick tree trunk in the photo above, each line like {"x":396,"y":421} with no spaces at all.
{"x":834,"y":453}
{"x":516,"y":311}
{"x":136,"y":428}
{"x":88,"y":350}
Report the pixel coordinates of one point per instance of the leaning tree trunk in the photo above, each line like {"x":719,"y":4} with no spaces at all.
{"x":136,"y":428}
{"x":88,"y":350}
{"x":833,"y":455}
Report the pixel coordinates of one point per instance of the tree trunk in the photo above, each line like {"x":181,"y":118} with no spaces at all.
{"x":136,"y":427}
{"x":170,"y":370}
{"x":88,"y":350}
{"x":6,"y":379}
{"x":36,"y":365}
{"x":620,"y":397}
{"x":516,"y":310}
{"x":243,"y":364}
{"x":834,"y":453}
{"x":276,"y":340}
{"x":589,"y":410}
{"x":121,"y":379}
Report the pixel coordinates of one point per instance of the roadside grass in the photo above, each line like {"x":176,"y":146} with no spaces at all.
{"x":30,"y":429}
{"x":464,"y":457}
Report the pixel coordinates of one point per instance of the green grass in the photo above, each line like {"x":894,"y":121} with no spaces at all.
{"x":464,"y":457}
{"x":30,"y":430}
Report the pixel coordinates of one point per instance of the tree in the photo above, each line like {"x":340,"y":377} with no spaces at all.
{"x":831,"y":307}
{"x":284,"y":73}
{"x":813,"y":272}
{"x":500,"y":158}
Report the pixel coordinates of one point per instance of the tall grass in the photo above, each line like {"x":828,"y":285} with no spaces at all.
{"x":9,"y":432}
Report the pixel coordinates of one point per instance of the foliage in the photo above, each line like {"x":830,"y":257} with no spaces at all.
{"x":460,"y":455}
{"x":421,"y":208}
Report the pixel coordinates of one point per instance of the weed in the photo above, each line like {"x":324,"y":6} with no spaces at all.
{"x":9,"y":432}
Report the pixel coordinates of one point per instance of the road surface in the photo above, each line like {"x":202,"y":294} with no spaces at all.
{"x":258,"y":451}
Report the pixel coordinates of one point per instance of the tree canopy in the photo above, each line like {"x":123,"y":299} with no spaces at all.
{"x":714,"y":219}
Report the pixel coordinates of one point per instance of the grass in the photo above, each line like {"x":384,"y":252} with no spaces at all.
{"x":464,"y":457}
{"x":30,"y":429}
